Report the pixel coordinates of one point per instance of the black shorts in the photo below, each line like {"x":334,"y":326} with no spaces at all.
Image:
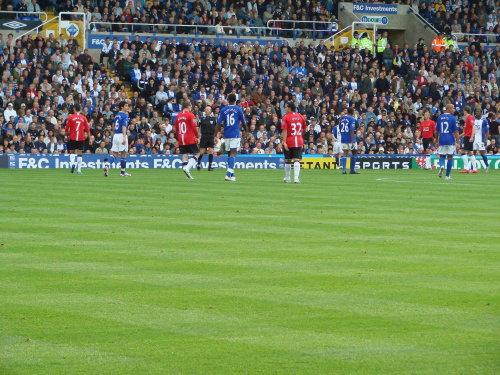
{"x":189,"y":149}
{"x":427,"y":142}
{"x":293,"y":153}
{"x":207,"y":141}
{"x":468,"y":145}
{"x":76,"y":145}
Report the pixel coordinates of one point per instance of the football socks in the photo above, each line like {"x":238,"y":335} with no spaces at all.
{"x":353,"y":162}
{"x":230,"y":166}
{"x":473,"y":162}
{"x":192,"y":162}
{"x":123,"y":164}
{"x":288,"y":169}
{"x":449,"y":164}
{"x":441,"y":162}
{"x":296,"y":170}
{"x":485,"y":159}
{"x":466,"y":161}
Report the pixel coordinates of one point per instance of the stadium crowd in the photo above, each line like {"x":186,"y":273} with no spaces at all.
{"x":461,"y":18}
{"x":389,"y":85}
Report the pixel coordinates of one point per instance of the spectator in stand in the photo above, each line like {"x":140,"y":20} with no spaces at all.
{"x":389,"y":93}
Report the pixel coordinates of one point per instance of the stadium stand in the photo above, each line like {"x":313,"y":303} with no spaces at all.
{"x":390,"y":87}
{"x":468,"y":21}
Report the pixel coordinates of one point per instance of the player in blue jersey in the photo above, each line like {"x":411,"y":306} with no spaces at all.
{"x":231,"y":118}
{"x":337,"y":145}
{"x":347,"y":126}
{"x":481,"y":132}
{"x":120,"y":139}
{"x":446,"y":135}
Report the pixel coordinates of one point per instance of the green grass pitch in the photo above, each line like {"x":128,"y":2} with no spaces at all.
{"x":388,"y":272}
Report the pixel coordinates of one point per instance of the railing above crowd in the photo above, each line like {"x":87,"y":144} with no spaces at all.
{"x":28,"y":16}
{"x":470,"y":37}
{"x":291,"y":29}
{"x":276,"y":30}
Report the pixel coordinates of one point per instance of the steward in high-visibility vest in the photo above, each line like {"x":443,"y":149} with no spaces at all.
{"x":366,"y":43}
{"x":381,"y":43}
{"x":450,"y":43}
{"x":438,"y":43}
{"x":355,"y":40}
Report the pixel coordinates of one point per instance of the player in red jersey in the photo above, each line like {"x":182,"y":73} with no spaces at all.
{"x":292,"y":128}
{"x":188,"y":138}
{"x":427,"y":128}
{"x":468,"y":135}
{"x":77,"y":126}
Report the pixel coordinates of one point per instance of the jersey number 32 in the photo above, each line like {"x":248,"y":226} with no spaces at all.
{"x":296,"y":128}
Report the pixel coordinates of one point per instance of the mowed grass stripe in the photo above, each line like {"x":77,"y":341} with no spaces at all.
{"x":164,"y":322}
{"x":357,"y":300}
{"x":283,"y":337}
{"x":300,"y":278}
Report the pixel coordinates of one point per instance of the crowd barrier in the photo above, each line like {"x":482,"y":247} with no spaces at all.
{"x":96,"y":161}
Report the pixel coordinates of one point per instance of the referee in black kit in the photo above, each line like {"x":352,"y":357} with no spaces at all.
{"x":207,"y":137}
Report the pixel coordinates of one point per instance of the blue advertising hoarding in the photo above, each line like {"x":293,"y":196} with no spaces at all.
{"x":96,"y":161}
{"x":96,"y":39}
{"x":375,"y":8}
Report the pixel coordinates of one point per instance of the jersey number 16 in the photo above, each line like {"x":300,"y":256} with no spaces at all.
{"x":231,"y":120}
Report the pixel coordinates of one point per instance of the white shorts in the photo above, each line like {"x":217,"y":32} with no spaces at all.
{"x":478,"y":146}
{"x":232,"y":143}
{"x":117,"y":144}
{"x":447,"y":150}
{"x":347,"y":146}
{"x":337,"y":148}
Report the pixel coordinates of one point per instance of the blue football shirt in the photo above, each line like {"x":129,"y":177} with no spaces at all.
{"x":120,"y":121}
{"x":346,"y":124}
{"x":231,"y":117}
{"x":336,"y":133}
{"x":481,"y":126}
{"x":446,"y":125}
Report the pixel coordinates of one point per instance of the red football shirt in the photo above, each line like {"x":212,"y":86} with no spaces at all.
{"x":186,"y":128}
{"x":77,"y":125}
{"x":427,"y":128}
{"x":295,"y":125}
{"x":469,"y":123}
